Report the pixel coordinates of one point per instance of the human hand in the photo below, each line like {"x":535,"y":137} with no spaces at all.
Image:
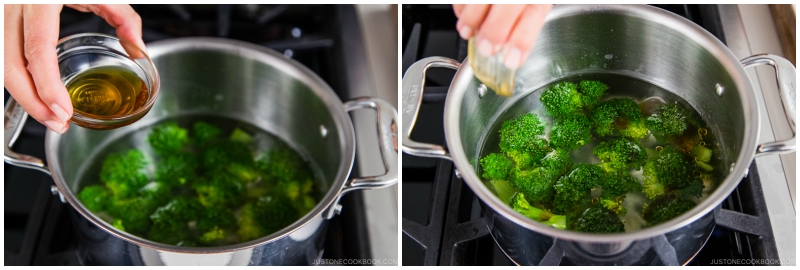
{"x":31,"y":66}
{"x":511,"y":29}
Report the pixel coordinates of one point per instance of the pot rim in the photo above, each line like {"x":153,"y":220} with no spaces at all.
{"x":288,"y":66}
{"x":465,"y":75}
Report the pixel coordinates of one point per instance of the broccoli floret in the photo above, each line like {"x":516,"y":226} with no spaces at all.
{"x":576,"y":184}
{"x":619,"y":183}
{"x":218,"y":188}
{"x":212,"y":223}
{"x":521,"y":205}
{"x":652,"y":187}
{"x":159,"y":192}
{"x":94,"y":197}
{"x":214,"y":234}
{"x":266,"y":215}
{"x":558,"y":161}
{"x":284,"y":165}
{"x":204,"y":132}
{"x":620,"y":115}
{"x":223,"y":153}
{"x":528,"y":157}
{"x":621,"y":154}
{"x":664,"y":209}
{"x":496,"y":166}
{"x":702,"y":153}
{"x":123,"y":173}
{"x":168,"y":137}
{"x":171,"y":221}
{"x":614,"y":204}
{"x":597,"y":219}
{"x":536,"y":184}
{"x":176,"y":168}
{"x":133,"y":213}
{"x":241,"y":136}
{"x":668,"y":119}
{"x":562,"y":99}
{"x":520,"y":140}
{"x":570,"y":132}
{"x":304,"y":204}
{"x":693,"y":189}
{"x":591,"y":91}
{"x":672,"y":168}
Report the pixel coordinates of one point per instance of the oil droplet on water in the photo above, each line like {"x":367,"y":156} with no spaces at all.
{"x":107,"y":91}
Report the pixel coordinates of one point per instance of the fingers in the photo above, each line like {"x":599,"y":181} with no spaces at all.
{"x":470,"y":19}
{"x":40,"y":25}
{"x":496,"y":28}
{"x":524,"y":34}
{"x":121,"y":17}
{"x":16,"y":78}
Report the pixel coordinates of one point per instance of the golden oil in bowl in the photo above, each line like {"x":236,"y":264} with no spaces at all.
{"x":107,"y":91}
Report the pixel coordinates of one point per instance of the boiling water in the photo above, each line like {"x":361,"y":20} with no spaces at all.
{"x":646,"y":94}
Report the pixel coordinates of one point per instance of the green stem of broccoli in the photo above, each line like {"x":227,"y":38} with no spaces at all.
{"x":702,"y":153}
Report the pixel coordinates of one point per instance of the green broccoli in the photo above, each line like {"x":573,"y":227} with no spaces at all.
{"x":668,"y":119}
{"x":212,"y":223}
{"x":562,"y":99}
{"x":702,"y":153}
{"x":214,"y":234}
{"x":232,"y":156}
{"x":171,"y":221}
{"x":619,"y":115}
{"x":94,"y":197}
{"x":614,"y":204}
{"x":266,"y":215}
{"x":536,"y":184}
{"x":123,"y":173}
{"x":693,"y":189}
{"x":133,"y":214}
{"x":159,"y":192}
{"x":284,"y":165}
{"x":619,"y":183}
{"x":520,"y":140}
{"x":204,"y":132}
{"x":496,"y":166}
{"x":176,"y":168}
{"x":521,"y":205}
{"x":218,"y":188}
{"x":621,"y":154}
{"x":570,"y":132}
{"x":558,"y":161}
{"x":576,"y":185}
{"x":651,"y":186}
{"x":597,"y":219}
{"x":168,"y":137}
{"x":241,"y":136}
{"x":591,"y":91}
{"x":528,"y":157}
{"x":671,"y":168}
{"x":664,"y":209}
{"x":503,"y":190}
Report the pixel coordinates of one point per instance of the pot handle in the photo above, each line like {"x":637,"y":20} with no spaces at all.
{"x":413,"y":84}
{"x":785,"y":75}
{"x":387,"y":138}
{"x":14,"y":120}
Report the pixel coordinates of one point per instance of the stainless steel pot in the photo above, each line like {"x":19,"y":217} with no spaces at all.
{"x":211,"y":76}
{"x":638,"y":41}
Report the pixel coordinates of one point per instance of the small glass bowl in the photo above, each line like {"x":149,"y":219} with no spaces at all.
{"x":81,"y":52}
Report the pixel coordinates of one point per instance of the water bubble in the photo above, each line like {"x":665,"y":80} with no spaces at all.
{"x":482,"y":90}
{"x":609,"y":56}
{"x":659,"y":148}
{"x":323,"y":131}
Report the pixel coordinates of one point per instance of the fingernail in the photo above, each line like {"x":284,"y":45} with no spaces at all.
{"x":485,"y":47}
{"x":60,"y":113}
{"x":513,"y":58}
{"x":55,"y":126}
{"x":465,"y":32}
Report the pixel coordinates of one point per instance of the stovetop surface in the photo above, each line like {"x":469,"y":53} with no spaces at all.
{"x":37,"y":226}
{"x":444,"y":215}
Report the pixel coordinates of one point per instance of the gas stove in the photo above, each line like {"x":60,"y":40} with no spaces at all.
{"x":326,"y":39}
{"x":443,"y":222}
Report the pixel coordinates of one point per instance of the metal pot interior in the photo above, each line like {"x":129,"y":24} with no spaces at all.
{"x":641,"y":42}
{"x":205,"y":76}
